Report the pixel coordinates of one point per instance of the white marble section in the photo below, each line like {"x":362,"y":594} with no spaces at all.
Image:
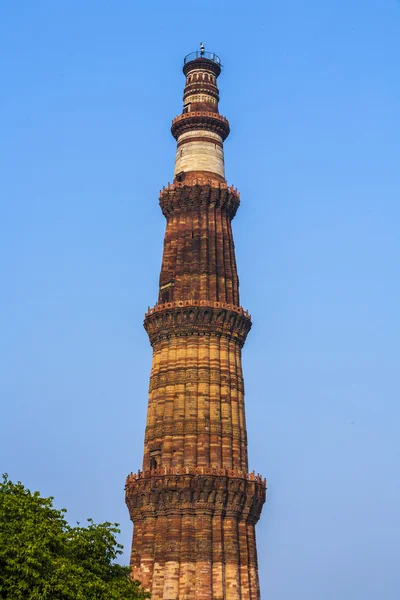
{"x":200,"y":155}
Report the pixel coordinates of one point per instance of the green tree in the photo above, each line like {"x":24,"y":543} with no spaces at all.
{"x":42,"y":557}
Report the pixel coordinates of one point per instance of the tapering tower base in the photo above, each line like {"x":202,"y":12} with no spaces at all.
{"x":194,"y":536}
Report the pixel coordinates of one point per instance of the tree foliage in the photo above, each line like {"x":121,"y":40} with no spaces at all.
{"x":43,"y":557}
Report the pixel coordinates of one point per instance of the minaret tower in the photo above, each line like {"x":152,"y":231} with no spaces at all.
{"x":195,"y":505}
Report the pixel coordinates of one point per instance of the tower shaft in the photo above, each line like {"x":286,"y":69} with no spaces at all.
{"x":194,"y":505}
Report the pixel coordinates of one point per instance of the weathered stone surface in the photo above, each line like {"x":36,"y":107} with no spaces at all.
{"x":199,"y":254}
{"x":197,"y":320}
{"x":200,"y":150}
{"x":195,"y":516}
{"x":195,"y":506}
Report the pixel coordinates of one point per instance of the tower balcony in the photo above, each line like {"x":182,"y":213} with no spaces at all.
{"x":212,"y":489}
{"x":205,"y":59}
{"x":197,"y":317}
{"x":209,"y":121}
{"x":198,"y":54}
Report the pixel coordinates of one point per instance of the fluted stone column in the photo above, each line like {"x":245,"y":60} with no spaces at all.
{"x":195,"y":505}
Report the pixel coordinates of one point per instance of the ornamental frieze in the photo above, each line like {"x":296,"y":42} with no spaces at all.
{"x":204,"y":192}
{"x":200,"y":119}
{"x":209,"y":375}
{"x":174,"y":319}
{"x":238,"y":494}
{"x":181,"y":427}
{"x":207,"y":89}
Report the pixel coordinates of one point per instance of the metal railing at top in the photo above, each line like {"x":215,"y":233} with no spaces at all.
{"x":199,"y":54}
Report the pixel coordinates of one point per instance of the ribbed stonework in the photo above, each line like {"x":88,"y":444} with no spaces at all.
{"x":195,"y":505}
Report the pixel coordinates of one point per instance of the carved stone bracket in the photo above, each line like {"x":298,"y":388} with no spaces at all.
{"x":188,"y":318}
{"x":222,"y":491}
{"x":203,"y":191}
{"x":201,"y":119}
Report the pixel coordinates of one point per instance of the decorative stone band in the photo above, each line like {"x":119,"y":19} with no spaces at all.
{"x":200,"y":88}
{"x":197,"y":317}
{"x":193,"y":426}
{"x":192,"y":470}
{"x":173,"y":489}
{"x":200,"y":120}
{"x":202,"y":303}
{"x":202,"y":191}
{"x":175,"y":376}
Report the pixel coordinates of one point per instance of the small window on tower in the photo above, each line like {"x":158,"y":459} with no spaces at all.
{"x":166,"y":292}
{"x":186,"y":108}
{"x":155,"y":458}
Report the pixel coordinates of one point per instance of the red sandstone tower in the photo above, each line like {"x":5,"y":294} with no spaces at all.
{"x":195,"y":505}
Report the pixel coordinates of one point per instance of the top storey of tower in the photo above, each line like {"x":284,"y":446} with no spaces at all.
{"x":200,"y":130}
{"x":201,"y":95}
{"x":201,"y":70}
{"x":203,"y":56}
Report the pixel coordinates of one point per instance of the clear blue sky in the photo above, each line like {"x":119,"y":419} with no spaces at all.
{"x":312,"y":91}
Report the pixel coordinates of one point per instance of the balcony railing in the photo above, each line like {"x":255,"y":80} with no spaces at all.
{"x":200,"y":54}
